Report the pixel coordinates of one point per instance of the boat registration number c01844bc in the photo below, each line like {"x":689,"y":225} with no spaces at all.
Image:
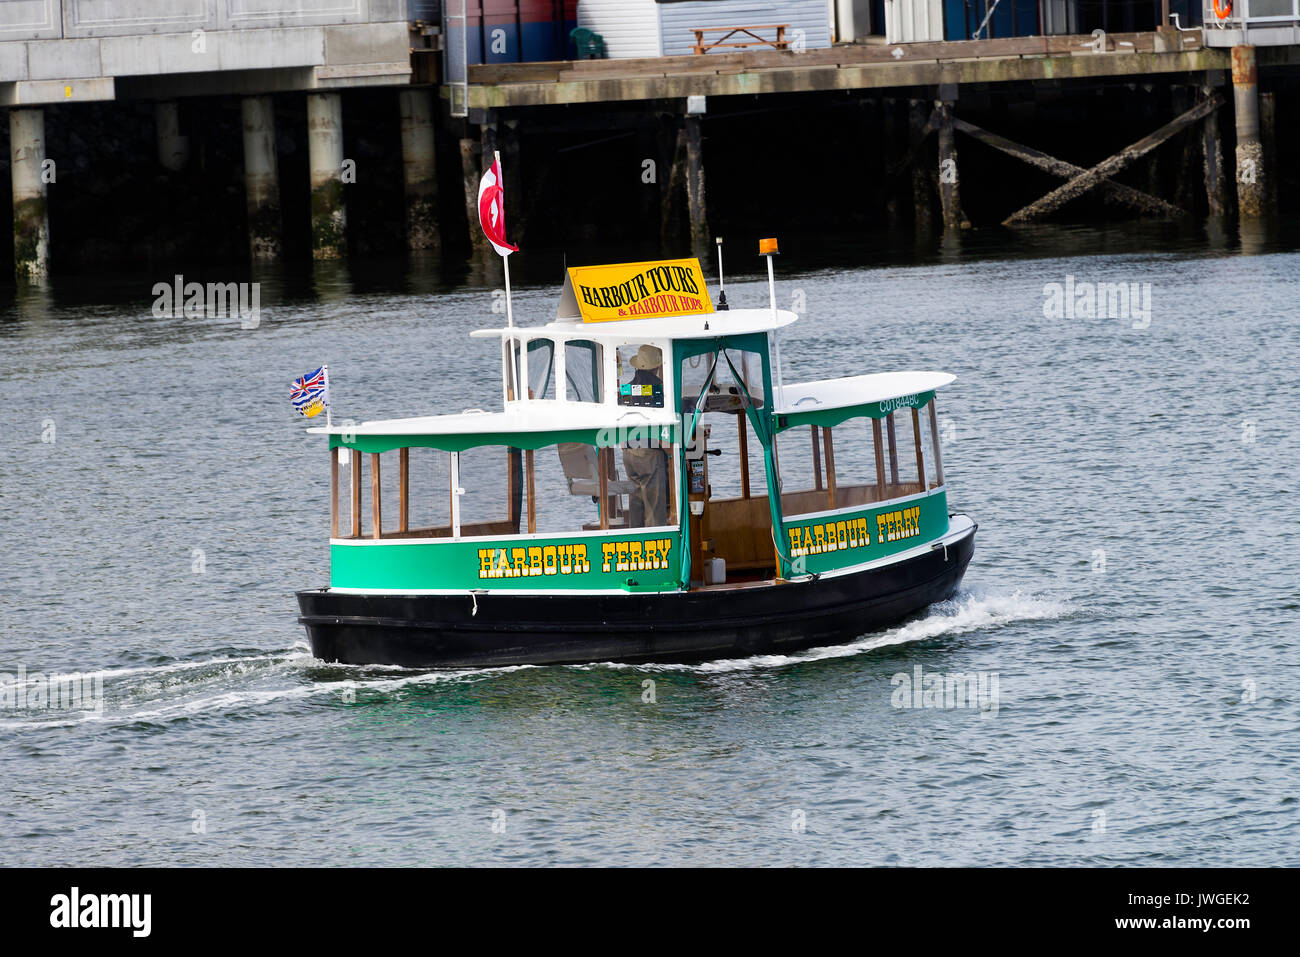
{"x":572,"y":559}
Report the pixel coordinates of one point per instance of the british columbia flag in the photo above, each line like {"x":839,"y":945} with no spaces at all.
{"x":311,"y":394}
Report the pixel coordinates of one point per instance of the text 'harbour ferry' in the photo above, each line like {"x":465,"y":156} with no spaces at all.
{"x":650,"y":492}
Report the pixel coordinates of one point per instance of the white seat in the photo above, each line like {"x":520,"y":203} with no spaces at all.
{"x":582,"y":470}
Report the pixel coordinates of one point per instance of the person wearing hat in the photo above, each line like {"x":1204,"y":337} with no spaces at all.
{"x":647,"y":467}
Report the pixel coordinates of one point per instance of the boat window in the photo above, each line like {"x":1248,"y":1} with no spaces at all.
{"x":541,"y":369}
{"x":860,"y":461}
{"x":725,"y":393}
{"x":828,"y":468}
{"x":582,"y":371}
{"x":899,"y":464}
{"x":504,"y":491}
{"x":514,"y":363}
{"x":931,"y":443}
{"x":640,"y":375}
{"x":413,"y":499}
{"x":560,"y":489}
{"x":492,"y":500}
{"x":737,"y":471}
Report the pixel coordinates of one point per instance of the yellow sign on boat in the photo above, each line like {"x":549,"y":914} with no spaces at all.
{"x":671,"y":287}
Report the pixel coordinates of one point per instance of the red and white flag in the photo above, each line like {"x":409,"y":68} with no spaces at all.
{"x":492,"y":209}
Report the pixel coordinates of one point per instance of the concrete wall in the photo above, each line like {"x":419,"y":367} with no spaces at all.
{"x":54,"y":51}
{"x":71,"y":19}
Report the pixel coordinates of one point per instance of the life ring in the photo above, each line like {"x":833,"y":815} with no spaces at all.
{"x":1222,"y":11}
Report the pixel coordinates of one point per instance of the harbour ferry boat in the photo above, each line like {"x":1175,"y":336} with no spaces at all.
{"x":651,"y":491}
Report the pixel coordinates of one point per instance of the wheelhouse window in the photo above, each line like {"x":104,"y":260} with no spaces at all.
{"x":541,"y":369}
{"x":583,"y":377}
{"x":640,"y":375}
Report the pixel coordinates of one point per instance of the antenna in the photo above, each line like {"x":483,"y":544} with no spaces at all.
{"x":769,"y":248}
{"x":722,"y":286}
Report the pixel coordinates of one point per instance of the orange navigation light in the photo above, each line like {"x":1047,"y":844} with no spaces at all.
{"x":767,"y":247}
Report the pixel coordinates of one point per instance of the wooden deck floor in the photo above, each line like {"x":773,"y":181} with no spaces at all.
{"x":850,"y":66}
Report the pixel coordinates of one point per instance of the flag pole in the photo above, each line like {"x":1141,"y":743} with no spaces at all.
{"x":510,"y":315}
{"x":329,"y":423}
{"x":505,"y":259}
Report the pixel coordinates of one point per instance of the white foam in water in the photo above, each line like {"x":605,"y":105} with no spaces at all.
{"x":184,"y":703}
{"x":109,"y":674}
{"x":974,"y":610}
{"x":971,"y":611}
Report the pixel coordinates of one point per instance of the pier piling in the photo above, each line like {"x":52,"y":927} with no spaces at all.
{"x":695,"y":203}
{"x":489,"y":143}
{"x":889,"y":138}
{"x":1251,"y":174}
{"x":325,"y":157}
{"x":1212,"y":150}
{"x":419,"y":169}
{"x":671,"y":193}
{"x":31,"y":212}
{"x":261,"y":177}
{"x":949,"y":189}
{"x":469,"y":176}
{"x":512,"y":174}
{"x":173,"y":145}
{"x":918,"y":123}
{"x":1268,"y":146}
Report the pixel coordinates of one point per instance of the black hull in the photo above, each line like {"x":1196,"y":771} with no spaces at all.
{"x":432,"y":631}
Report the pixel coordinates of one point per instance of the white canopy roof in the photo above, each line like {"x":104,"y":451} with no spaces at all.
{"x":858,"y":390}
{"x":535,"y":415}
{"x":731,"y":322}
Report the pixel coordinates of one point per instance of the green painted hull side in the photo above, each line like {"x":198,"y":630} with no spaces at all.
{"x":554,"y":563}
{"x":880,"y":530}
{"x":544,"y":565}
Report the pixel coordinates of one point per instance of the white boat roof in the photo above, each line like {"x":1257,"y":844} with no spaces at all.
{"x":858,"y":390}
{"x":535,"y":415}
{"x":730,"y":322}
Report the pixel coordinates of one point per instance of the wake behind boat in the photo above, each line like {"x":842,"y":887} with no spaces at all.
{"x":650,"y":492}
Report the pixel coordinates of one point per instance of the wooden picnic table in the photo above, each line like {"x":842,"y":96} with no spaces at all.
{"x":780,"y":43}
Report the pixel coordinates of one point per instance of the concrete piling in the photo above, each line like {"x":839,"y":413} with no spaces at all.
{"x":1251,"y":174}
{"x":31,"y":212}
{"x":325,"y":157}
{"x":419,"y":170}
{"x":261,"y":177}
{"x":173,"y":145}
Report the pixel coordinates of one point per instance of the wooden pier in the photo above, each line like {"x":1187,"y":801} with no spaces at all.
{"x":931,"y":78}
{"x":847,"y":67}
{"x":897,"y":114}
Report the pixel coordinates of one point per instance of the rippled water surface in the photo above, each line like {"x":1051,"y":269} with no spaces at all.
{"x":1134,"y":592}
